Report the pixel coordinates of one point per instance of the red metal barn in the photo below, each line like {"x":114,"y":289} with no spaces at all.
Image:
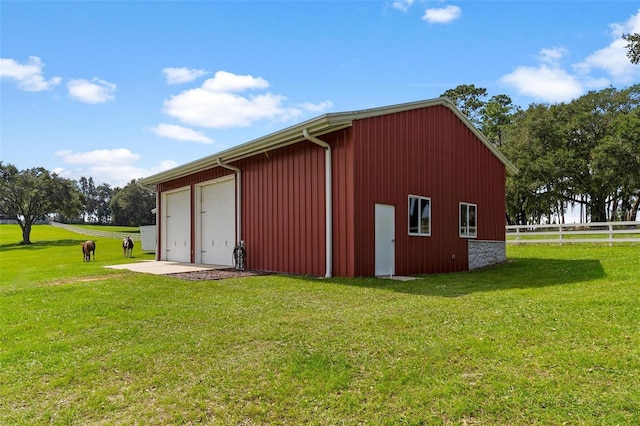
{"x":399,"y":190}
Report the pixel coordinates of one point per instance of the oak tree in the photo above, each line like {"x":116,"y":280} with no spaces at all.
{"x":32,"y":194}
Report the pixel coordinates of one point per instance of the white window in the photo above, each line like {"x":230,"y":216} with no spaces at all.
{"x":468,"y":227}
{"x":419,"y":215}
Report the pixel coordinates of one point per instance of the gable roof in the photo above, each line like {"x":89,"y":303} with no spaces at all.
{"x":317,"y":126}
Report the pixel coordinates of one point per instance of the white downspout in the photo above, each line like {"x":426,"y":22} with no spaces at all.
{"x":328,"y":200}
{"x":238,"y":197}
{"x":157,"y":257}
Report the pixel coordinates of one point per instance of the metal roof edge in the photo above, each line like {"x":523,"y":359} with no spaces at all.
{"x":443,"y":101}
{"x":319,"y":125}
{"x":271,"y":141}
{"x":511,"y":169}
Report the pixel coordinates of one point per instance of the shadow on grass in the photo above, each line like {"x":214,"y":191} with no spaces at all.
{"x":520,"y":273}
{"x":39,"y":245}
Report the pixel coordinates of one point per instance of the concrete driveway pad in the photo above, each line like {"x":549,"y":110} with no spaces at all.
{"x":165,"y":267}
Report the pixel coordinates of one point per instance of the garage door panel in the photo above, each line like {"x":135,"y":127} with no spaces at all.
{"x":218,"y":222}
{"x":177,"y":221}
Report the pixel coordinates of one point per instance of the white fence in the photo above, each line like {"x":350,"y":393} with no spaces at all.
{"x":595,"y":232}
{"x":95,"y":232}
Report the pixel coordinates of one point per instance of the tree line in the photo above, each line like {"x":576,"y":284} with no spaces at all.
{"x":34,"y":194}
{"x":104,"y":205}
{"x":581,"y":155}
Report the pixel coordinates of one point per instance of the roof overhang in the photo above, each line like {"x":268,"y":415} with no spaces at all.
{"x":318,"y":126}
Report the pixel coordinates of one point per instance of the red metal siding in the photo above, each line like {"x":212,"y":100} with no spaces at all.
{"x":283,"y":217}
{"x":427,"y":152}
{"x":283,"y":209}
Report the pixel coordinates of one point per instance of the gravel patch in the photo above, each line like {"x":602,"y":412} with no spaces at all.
{"x":215,"y":274}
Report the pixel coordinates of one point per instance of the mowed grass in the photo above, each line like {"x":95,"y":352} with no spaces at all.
{"x":551,"y":337}
{"x":55,"y":255}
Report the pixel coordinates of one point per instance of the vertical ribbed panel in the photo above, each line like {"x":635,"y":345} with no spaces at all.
{"x":431,"y":153}
{"x":283,"y":209}
{"x":343,"y":212}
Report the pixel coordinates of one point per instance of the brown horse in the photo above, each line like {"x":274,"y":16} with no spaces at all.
{"x":87,"y":248}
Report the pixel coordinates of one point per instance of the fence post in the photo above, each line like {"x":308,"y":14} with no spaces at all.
{"x":560,"y":232}
{"x":610,"y":234}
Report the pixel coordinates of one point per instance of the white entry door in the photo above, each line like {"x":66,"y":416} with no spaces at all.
{"x":385,"y":240}
{"x":177,"y":220}
{"x":218,"y":222}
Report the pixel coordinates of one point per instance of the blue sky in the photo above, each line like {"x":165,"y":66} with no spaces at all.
{"x":125,"y":89}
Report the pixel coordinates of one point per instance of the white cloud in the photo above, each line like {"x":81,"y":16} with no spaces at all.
{"x":224,"y":81}
{"x":162,"y":166}
{"x":203,"y":108}
{"x":552,"y":55}
{"x":547,"y":83}
{"x":442,"y":15}
{"x":550,"y":81}
{"x":28,"y":76}
{"x":631,"y":26}
{"x":182,"y":75}
{"x":61,"y":171}
{"x":319,"y":107}
{"x":113,"y":166}
{"x":219,"y":103}
{"x":96,"y":91}
{"x":612,"y":59}
{"x":180,"y":133}
{"x":99,"y":156}
{"x":402,"y":5}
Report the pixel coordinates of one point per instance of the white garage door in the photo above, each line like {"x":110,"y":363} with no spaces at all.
{"x":217,"y":222}
{"x":177,"y":219}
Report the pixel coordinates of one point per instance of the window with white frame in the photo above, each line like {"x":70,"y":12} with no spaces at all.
{"x":419,"y":215}
{"x":468,"y":227}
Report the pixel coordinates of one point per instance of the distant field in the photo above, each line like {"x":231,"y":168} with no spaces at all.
{"x":55,"y":254}
{"x":123,"y":229}
{"x":550,"y":337}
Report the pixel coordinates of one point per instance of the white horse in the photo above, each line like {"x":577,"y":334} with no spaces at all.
{"x":127,"y":246}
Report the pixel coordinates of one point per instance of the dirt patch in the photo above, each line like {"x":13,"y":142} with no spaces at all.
{"x":215,"y":274}
{"x":82,"y":279}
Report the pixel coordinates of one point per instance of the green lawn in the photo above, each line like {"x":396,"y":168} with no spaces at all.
{"x":551,"y":337}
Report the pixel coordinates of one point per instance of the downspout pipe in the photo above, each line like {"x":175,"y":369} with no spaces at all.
{"x":158,"y":254}
{"x":328,"y":201}
{"x":238,"y":197}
